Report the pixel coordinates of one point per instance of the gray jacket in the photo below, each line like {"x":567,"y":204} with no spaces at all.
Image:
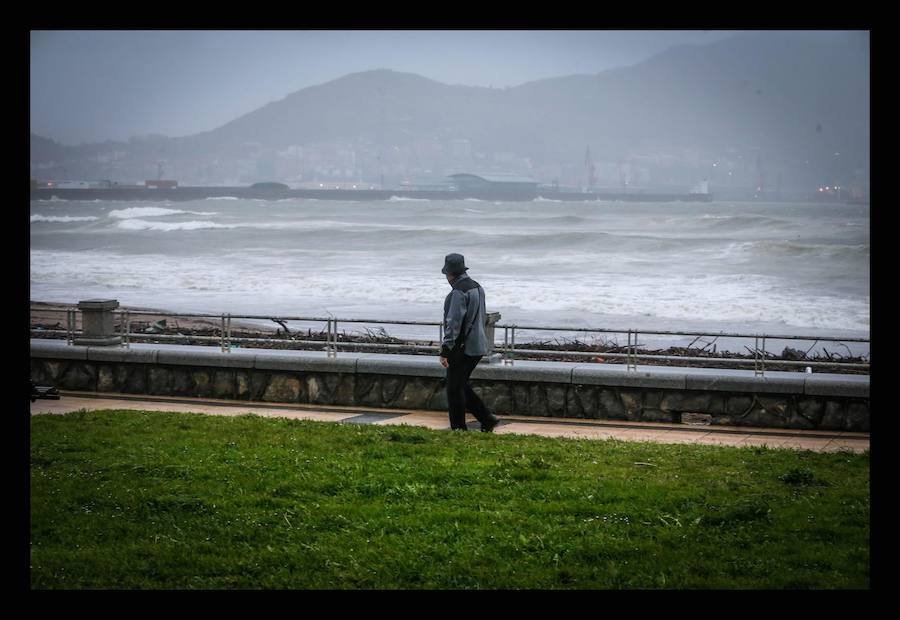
{"x":462,"y":309}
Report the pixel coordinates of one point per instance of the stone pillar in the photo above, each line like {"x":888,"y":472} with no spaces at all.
{"x":98,"y":323}
{"x":490,"y":357}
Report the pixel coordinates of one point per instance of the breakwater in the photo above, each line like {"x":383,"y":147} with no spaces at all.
{"x":250,"y":193}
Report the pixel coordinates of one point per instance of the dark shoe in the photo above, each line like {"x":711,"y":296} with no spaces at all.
{"x":492,"y":423}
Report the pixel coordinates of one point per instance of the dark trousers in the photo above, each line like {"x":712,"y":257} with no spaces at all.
{"x":460,"y":396}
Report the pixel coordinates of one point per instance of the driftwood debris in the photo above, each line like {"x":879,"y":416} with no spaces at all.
{"x":283,"y":325}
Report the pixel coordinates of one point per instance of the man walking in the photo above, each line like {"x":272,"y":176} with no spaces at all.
{"x":464,"y":344}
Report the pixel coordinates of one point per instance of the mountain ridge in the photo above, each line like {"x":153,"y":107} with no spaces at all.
{"x":794,"y":98}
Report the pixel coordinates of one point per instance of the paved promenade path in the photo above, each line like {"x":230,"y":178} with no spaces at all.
{"x":815,"y":440}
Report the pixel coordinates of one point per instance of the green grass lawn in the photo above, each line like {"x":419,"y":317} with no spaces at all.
{"x":123,"y":499}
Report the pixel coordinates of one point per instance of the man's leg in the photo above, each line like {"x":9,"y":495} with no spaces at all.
{"x":473,"y":402}
{"x":456,"y":394}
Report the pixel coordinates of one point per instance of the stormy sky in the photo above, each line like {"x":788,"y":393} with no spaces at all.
{"x":91,"y":86}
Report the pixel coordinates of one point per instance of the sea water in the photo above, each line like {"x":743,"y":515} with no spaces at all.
{"x":777,"y":268}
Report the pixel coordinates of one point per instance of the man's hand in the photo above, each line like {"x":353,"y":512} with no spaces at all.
{"x":444,"y":362}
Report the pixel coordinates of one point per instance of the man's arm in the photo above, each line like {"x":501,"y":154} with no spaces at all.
{"x":453,"y":322}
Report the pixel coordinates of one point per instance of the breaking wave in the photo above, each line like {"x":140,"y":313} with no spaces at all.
{"x":152,"y":212}
{"x":62,"y":218}
{"x":405,"y":199}
{"x":136,"y":224}
{"x":789,"y":249}
{"x":662,"y":264}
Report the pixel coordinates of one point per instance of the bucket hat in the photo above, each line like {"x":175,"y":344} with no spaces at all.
{"x":454,"y":264}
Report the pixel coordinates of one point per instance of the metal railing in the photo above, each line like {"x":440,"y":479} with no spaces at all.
{"x":760,"y":354}
{"x":509,"y":348}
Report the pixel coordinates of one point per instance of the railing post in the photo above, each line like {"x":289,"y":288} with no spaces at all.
{"x":635,"y":350}
{"x":757,"y":372}
{"x":763,"y":364}
{"x":505,"y":344}
{"x":628,"y":352}
{"x":631,"y":360}
{"x":228,"y":334}
{"x":70,"y":326}
{"x":330,"y":349}
{"x":335,"y":341}
{"x":126,"y":330}
{"x":222,"y":334}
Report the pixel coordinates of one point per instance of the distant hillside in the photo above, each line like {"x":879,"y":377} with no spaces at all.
{"x":46,"y":150}
{"x":753,"y":85}
{"x":359,"y":105}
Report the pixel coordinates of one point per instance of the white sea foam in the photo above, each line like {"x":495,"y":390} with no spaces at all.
{"x":62,"y":218}
{"x":662,"y":265}
{"x":222,"y":198}
{"x":406,"y":199}
{"x":287,"y":286}
{"x":153,"y":212}
{"x":137,"y":224}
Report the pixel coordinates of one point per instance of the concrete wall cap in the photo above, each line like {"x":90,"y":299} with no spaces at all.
{"x":428,"y":366}
{"x":730,"y":383}
{"x":587,"y":375}
{"x":119,"y":354}
{"x":322,"y":363}
{"x":856,"y":386}
{"x":188,"y":357}
{"x":521,"y":371}
{"x":58,"y":349}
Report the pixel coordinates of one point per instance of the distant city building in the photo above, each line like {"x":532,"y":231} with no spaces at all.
{"x":460,"y":149}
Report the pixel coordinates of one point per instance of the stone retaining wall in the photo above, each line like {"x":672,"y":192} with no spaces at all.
{"x":552,"y":389}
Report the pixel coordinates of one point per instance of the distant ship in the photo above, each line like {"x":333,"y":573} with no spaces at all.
{"x":700,"y":193}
